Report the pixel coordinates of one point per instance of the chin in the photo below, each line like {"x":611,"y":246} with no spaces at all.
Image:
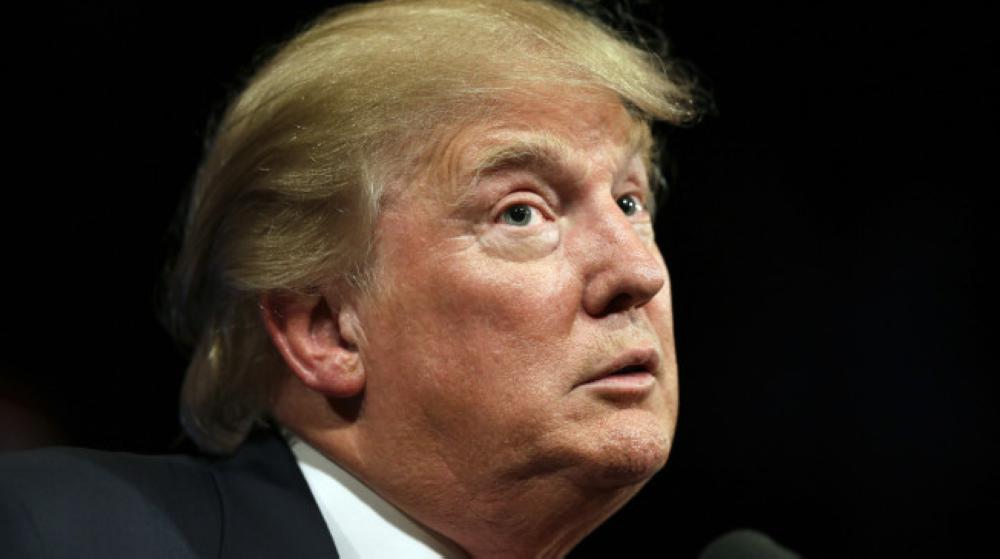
{"x":628,"y":453}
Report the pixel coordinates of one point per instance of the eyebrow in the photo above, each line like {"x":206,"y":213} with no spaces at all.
{"x":540,"y":152}
{"x":544,"y":154}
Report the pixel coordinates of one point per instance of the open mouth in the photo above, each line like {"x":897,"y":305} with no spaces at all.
{"x":630,"y":369}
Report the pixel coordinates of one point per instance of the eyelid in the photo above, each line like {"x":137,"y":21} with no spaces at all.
{"x":527,"y":198}
{"x":641,"y":195}
{"x":639,"y":186}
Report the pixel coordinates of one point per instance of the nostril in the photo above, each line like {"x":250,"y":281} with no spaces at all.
{"x":618,"y":303}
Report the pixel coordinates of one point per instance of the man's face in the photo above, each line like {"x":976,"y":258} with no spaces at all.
{"x":522,"y":329}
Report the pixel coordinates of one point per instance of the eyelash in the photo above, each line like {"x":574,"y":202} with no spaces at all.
{"x":643,"y":197}
{"x":531,"y":200}
{"x":542,"y":208}
{"x":640,"y":204}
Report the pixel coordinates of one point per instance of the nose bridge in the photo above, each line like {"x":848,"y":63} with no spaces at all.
{"x":621,"y":267}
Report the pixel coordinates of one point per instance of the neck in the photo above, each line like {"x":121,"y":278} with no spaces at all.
{"x":518,"y":514}
{"x":544,"y":519}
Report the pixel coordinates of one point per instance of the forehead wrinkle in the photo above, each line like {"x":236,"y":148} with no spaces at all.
{"x":544,"y":153}
{"x":461,"y":166}
{"x":541,"y":151}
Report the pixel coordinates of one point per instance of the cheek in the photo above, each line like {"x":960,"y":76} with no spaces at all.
{"x":520,"y":246}
{"x":661,"y":316}
{"x":485,"y":324}
{"x":512,"y":298}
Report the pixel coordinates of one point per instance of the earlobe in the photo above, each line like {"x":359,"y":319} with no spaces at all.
{"x":318,"y":341}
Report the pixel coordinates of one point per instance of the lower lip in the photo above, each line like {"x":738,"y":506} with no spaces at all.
{"x":625,"y":384}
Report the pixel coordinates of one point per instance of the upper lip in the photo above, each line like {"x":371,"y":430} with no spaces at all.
{"x":632,"y":360}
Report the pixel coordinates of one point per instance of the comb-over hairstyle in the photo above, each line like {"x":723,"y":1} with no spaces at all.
{"x":289,"y":191}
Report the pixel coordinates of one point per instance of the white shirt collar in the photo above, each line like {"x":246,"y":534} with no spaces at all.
{"x":364,"y":525}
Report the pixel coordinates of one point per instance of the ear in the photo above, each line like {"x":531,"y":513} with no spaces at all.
{"x":318,"y":339}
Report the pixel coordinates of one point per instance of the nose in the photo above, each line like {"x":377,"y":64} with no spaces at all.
{"x":623,"y":268}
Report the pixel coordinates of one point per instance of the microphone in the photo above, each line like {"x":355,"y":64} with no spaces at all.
{"x":745,"y":544}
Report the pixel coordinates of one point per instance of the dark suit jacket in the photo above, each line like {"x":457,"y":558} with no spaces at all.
{"x":61,"y":502}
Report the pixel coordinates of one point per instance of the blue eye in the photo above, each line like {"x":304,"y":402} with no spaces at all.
{"x":519,"y":215}
{"x":629,"y":204}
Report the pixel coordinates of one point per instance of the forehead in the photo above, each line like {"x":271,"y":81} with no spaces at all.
{"x":553,"y":133}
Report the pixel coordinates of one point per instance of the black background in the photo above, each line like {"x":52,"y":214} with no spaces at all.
{"x":828,"y":234}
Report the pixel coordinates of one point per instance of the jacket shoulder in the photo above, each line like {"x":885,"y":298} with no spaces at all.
{"x":64,"y":502}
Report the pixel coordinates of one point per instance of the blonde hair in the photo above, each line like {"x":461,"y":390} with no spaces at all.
{"x":289,"y":191}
